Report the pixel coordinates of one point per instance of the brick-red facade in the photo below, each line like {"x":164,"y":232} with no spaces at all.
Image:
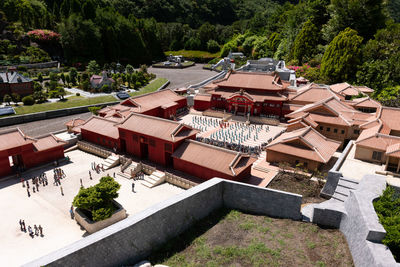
{"x":22,"y":89}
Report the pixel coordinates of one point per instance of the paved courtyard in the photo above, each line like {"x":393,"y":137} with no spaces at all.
{"x":232,"y":133}
{"x":356,"y":169}
{"x":51,"y":210}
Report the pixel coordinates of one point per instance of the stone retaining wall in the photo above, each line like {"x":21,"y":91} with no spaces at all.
{"x":18,"y":119}
{"x":131,"y":240}
{"x":333,"y":176}
{"x":357,"y":220}
{"x":50,"y":64}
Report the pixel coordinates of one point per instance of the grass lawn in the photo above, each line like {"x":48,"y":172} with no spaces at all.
{"x":151,"y":87}
{"x":194,"y":54}
{"x":232,"y":238}
{"x":73,"y":101}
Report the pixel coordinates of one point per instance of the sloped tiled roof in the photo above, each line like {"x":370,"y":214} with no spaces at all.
{"x":14,"y":77}
{"x":101,"y":126}
{"x":319,"y":149}
{"x":146,"y":102}
{"x":156,"y":127}
{"x":13,"y":138}
{"x":48,"y":142}
{"x":219,"y":159}
{"x":250,"y":80}
{"x":75,"y":122}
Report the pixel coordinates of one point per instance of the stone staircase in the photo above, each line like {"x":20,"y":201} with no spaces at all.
{"x":130,"y":171}
{"x":154,"y":179}
{"x":111,"y":161}
{"x":257,"y":166}
{"x":344,"y":186}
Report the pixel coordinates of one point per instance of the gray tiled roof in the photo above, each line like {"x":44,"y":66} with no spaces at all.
{"x":15,"y":77}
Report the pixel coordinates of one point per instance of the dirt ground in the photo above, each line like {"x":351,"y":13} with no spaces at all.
{"x":232,"y":238}
{"x":299,"y":184}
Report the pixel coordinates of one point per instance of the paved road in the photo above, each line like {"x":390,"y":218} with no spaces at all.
{"x":183,"y":77}
{"x":37,"y":128}
{"x":177,"y":77}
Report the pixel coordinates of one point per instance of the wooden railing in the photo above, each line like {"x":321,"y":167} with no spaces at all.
{"x":179,"y":181}
{"x":94,"y":149}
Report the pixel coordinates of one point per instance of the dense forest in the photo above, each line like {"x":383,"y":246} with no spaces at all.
{"x":326,"y":41}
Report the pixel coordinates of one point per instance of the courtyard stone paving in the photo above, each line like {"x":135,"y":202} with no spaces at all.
{"x":51,"y":210}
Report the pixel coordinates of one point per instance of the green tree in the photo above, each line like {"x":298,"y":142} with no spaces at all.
{"x":62,"y":76}
{"x":7,"y":99}
{"x":61,"y":93}
{"x":73,"y":75}
{"x":364,"y":16}
{"x":305,"y":43}
{"x":381,"y":56}
{"x":93,"y":67}
{"x":342,"y":57}
{"x":40,"y":77}
{"x":98,"y":199}
{"x":67,"y":79}
{"x":15,"y":98}
{"x":80,"y":39}
{"x":129,"y":69}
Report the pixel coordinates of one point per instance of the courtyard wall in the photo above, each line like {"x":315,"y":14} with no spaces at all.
{"x":134,"y":238}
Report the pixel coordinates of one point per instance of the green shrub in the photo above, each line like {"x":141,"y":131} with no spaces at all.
{"x":28,"y":100}
{"x":22,"y":68}
{"x":97,"y":199}
{"x":388,"y":209}
{"x":94,"y":110}
{"x":212,"y":46}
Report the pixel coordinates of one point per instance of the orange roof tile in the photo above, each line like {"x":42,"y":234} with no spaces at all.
{"x":156,"y":127}
{"x":13,"y":138}
{"x":146,"y":102}
{"x":101,"y":126}
{"x":250,"y":80}
{"x":316,"y":146}
{"x":212,"y":157}
{"x":202,"y":97}
{"x":75,"y":122}
{"x":48,"y":142}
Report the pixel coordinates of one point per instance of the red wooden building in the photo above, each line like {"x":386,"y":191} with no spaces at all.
{"x":153,"y":138}
{"x":19,"y":151}
{"x":163,"y":104}
{"x":100,"y":131}
{"x":245,"y":92}
{"x":207,"y":161}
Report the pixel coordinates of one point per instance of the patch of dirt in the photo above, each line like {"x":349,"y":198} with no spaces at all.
{"x":298,"y":184}
{"x":232,"y":238}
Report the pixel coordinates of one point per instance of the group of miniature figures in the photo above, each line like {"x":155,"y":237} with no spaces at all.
{"x":38,"y":229}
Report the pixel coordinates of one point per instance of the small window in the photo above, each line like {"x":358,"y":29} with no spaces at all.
{"x":272,"y":105}
{"x":135,"y":138}
{"x":335,"y":130}
{"x":342,"y":131}
{"x":376,"y":155}
{"x":328,"y":129}
{"x":356,"y":131}
{"x":321,"y":127}
{"x":168,"y":147}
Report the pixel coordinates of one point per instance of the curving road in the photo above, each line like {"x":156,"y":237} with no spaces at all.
{"x":177,"y":77}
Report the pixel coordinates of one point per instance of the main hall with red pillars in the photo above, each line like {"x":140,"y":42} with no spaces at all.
{"x":152,"y":138}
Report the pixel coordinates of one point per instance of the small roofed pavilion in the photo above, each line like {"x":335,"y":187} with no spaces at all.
{"x":19,"y":152}
{"x":305,"y":145}
{"x":207,"y":161}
